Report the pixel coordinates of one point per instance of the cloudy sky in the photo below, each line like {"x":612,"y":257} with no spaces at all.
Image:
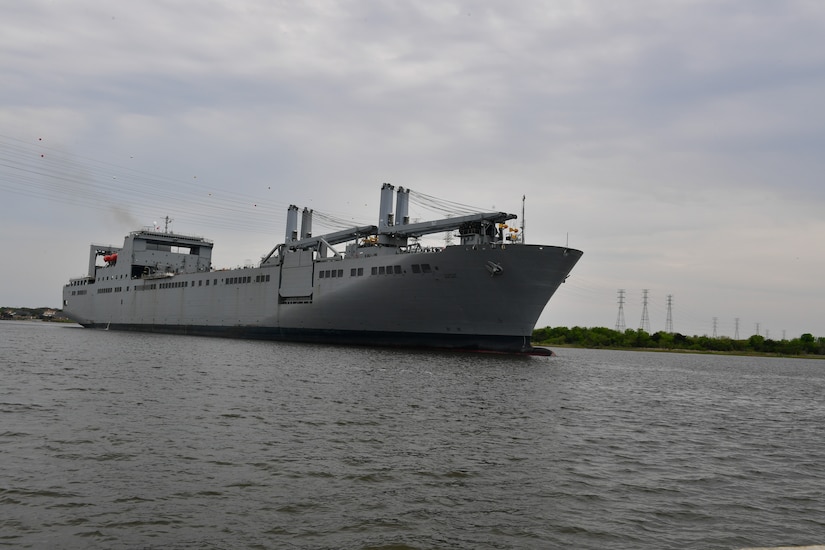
{"x":678,"y":144}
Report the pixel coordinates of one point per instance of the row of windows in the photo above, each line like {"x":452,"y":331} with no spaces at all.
{"x":327,"y":273}
{"x":324,"y":274}
{"x":388,"y":270}
{"x":376,"y":270}
{"x":181,"y":284}
{"x":176,"y":284}
{"x":396,"y":269}
{"x":112,"y":277}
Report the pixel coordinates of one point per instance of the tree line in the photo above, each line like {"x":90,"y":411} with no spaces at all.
{"x":600,"y":337}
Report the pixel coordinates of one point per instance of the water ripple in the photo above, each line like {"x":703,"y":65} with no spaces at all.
{"x":206,"y":443}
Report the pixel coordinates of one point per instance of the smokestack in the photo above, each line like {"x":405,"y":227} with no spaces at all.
{"x":385,"y":214}
{"x":306,"y":223}
{"x":291,"y":224}
{"x":402,"y":206}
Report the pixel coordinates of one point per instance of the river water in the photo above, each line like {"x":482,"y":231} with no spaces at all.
{"x":124,"y":440}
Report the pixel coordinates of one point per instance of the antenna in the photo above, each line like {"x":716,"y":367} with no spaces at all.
{"x":523,"y":198}
{"x":620,"y":325}
{"x":645,"y":323}
{"x":669,"y":322}
{"x":167,"y":221}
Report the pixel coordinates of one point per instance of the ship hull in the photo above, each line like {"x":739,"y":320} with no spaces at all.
{"x":463,"y":342}
{"x":485,"y":298}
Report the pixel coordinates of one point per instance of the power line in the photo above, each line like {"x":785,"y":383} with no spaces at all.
{"x":441,"y":206}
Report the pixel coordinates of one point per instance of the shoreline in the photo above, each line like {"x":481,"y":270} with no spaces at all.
{"x":690,"y":351}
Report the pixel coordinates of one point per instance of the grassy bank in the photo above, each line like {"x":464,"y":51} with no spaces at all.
{"x":600,"y":337}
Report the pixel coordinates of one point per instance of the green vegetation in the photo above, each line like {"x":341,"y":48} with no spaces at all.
{"x":599,"y":337}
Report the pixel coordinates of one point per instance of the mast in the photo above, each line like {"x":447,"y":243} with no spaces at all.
{"x":523,"y":198}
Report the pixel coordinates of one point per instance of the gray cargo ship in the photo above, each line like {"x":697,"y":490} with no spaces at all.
{"x":367,"y":285}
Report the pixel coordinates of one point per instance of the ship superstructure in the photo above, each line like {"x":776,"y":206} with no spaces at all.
{"x":369,"y":285}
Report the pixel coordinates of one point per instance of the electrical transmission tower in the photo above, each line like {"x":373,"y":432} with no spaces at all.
{"x":669,"y":322}
{"x":645,"y":323}
{"x":715,"y":320}
{"x":620,"y":326}
{"x":736,"y":336}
